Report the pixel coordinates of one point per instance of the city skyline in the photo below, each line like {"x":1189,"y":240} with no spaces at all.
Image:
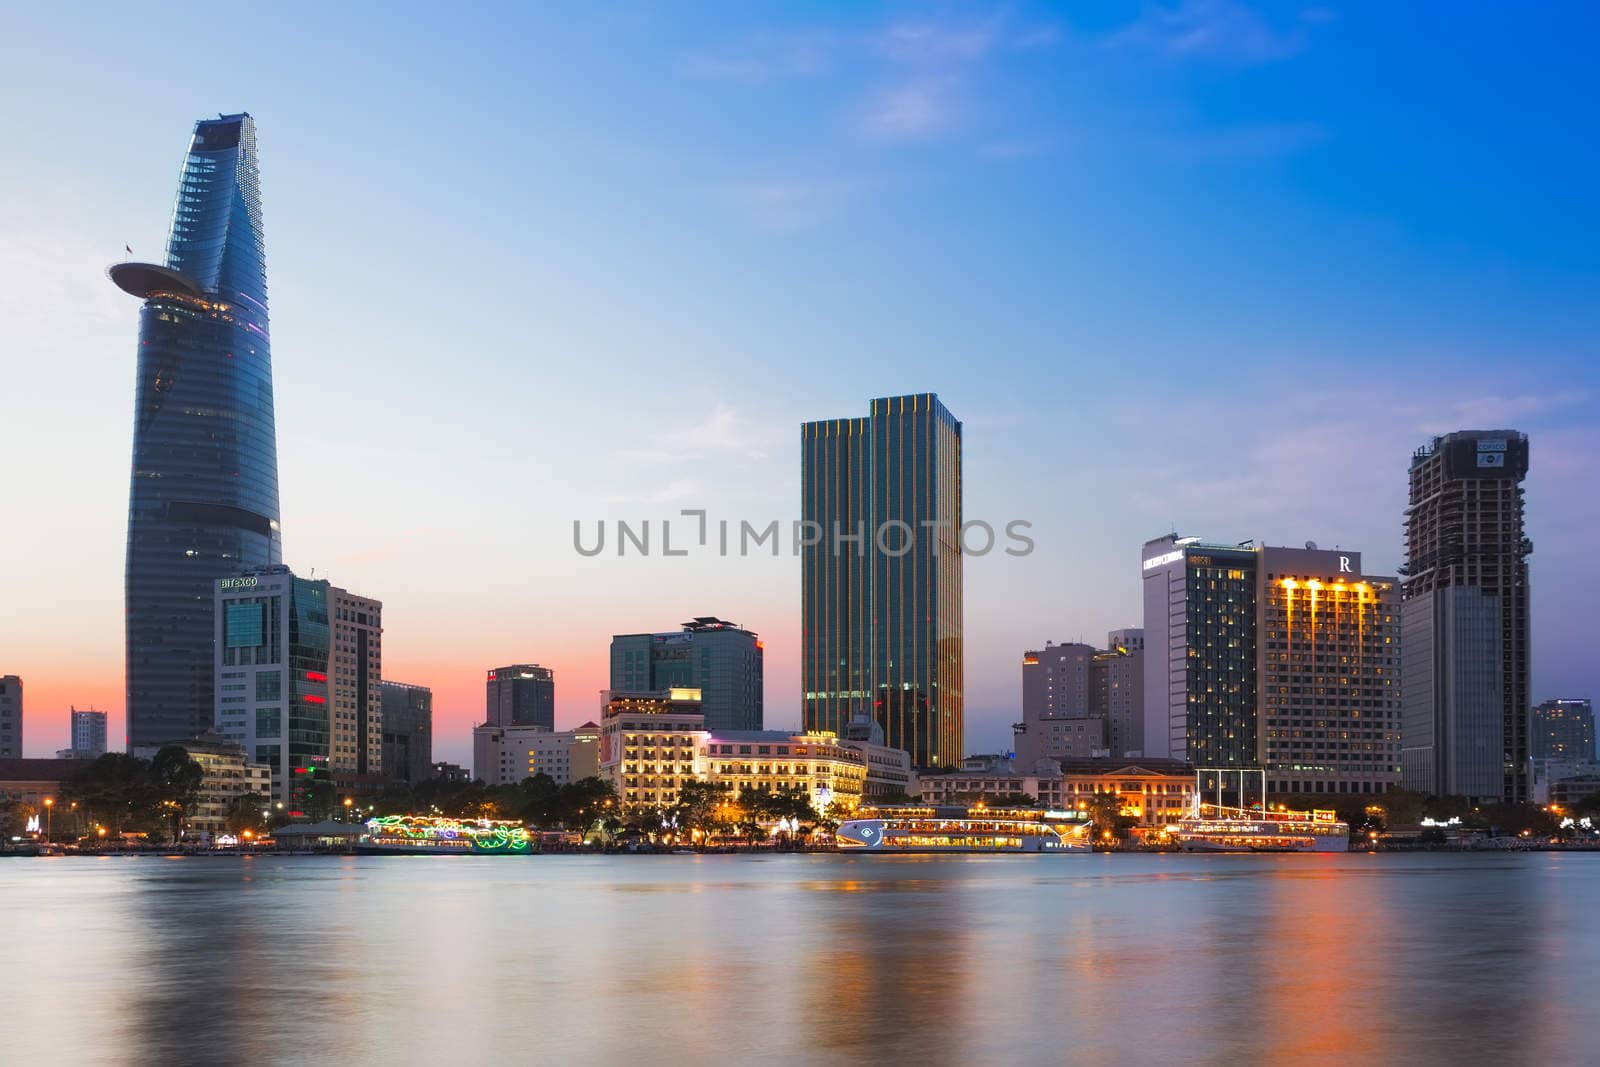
{"x":1414,"y":303}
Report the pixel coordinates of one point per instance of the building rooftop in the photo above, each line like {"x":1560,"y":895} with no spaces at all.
{"x":38,"y":770}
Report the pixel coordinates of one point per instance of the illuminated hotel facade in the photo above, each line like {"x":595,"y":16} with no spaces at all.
{"x":1282,"y":659}
{"x":1466,"y":618}
{"x":881,"y":578}
{"x":203,"y":500}
{"x":651,"y":744}
{"x":1329,"y":670}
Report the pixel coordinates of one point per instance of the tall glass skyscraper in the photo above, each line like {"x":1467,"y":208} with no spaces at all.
{"x":204,"y":497}
{"x":881,"y":585}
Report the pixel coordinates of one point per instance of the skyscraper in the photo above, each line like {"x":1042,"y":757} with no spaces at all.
{"x":523,"y":694}
{"x":881,"y":575}
{"x":203,"y":504}
{"x":1465,"y":618}
{"x":355,"y":670}
{"x":721,"y":659}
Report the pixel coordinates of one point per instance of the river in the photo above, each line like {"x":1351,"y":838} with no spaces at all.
{"x":1125,"y":959}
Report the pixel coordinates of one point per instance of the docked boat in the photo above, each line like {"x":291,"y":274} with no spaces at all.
{"x":1213,"y":828}
{"x":428,"y":835}
{"x":964,"y":829}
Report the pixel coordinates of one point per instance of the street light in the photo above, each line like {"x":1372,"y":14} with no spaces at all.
{"x":49,"y":810}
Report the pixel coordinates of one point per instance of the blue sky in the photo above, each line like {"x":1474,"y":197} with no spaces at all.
{"x":1192,"y":264}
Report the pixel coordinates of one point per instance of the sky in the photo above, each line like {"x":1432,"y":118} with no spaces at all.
{"x":1192,"y":265}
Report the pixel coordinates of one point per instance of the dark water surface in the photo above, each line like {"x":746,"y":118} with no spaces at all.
{"x":1357,"y":958}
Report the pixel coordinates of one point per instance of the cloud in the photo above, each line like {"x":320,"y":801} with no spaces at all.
{"x":938,"y":43}
{"x":917,"y":110}
{"x":795,"y":203}
{"x":767,"y":57}
{"x":1217,"y":30}
{"x":1495,"y":412}
{"x":722,"y":433}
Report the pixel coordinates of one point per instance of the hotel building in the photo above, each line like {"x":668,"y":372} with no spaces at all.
{"x":881,"y":586}
{"x":653,"y":743}
{"x":889,"y":770}
{"x":1329,"y":670}
{"x":1465,"y":618}
{"x":505,"y":755}
{"x":816,"y":763}
{"x":226,"y":776}
{"x":271,"y":647}
{"x":1281,"y":659}
{"x":721,"y":659}
{"x":650,"y":744}
{"x":355,"y":670}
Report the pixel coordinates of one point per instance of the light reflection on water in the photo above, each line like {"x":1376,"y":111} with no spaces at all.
{"x":835,"y":959}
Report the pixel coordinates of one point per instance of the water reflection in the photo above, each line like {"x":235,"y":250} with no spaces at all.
{"x":1021,"y":959}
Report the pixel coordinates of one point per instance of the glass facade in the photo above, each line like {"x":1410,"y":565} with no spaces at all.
{"x":272,"y":644}
{"x":1221,"y":659}
{"x":203,"y":503}
{"x":721,"y":659}
{"x":881,"y":585}
{"x":523,"y":694}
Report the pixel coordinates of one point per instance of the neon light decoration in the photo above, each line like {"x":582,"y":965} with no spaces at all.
{"x":425,"y":833}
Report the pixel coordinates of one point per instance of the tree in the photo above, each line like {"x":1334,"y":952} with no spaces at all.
{"x":1105,"y":813}
{"x":699,"y":805}
{"x":114,"y":791}
{"x":175,"y":783}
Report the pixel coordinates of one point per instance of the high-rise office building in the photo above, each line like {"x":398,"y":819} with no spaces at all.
{"x":721,"y":659}
{"x":1562,"y":729}
{"x":10,"y":717}
{"x":523,"y":694}
{"x":1465,"y":618}
{"x":407,"y":731}
{"x":355,"y":691}
{"x":881,"y":626}
{"x":88,"y":734}
{"x":1284,"y":660}
{"x":204,"y":498}
{"x":272,"y":640}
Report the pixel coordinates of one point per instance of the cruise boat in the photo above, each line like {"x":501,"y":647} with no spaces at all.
{"x":428,"y":835}
{"x":964,"y":829}
{"x":1213,"y":828}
